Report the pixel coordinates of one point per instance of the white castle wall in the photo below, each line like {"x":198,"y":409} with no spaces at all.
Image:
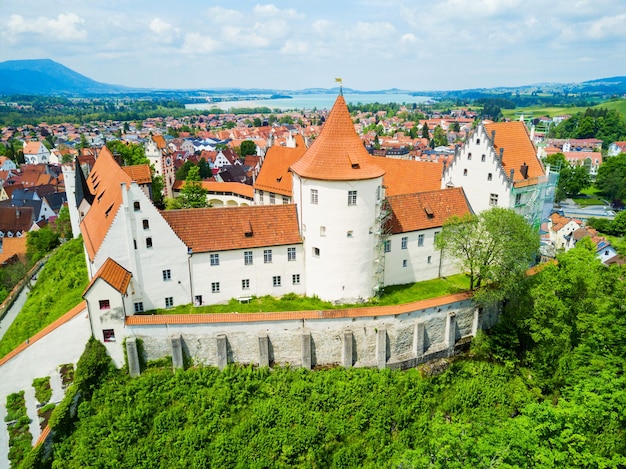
{"x":327,"y":335}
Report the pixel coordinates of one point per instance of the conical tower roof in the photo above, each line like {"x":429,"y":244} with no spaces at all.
{"x":337,"y":154}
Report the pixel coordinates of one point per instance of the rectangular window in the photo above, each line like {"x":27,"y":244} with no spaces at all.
{"x":247,"y":257}
{"x":167,"y":274}
{"x":493,"y":200}
{"x":169,"y":301}
{"x":197,"y":300}
{"x":314,"y":196}
{"x":405,"y":263}
{"x":482,"y":158}
{"x":146,"y":224}
{"x":148,"y":243}
{"x":109,"y":335}
{"x":388,"y":245}
{"x":322,"y":231}
{"x":435,"y":236}
{"x":245,"y":284}
{"x":295,"y":279}
{"x":215,"y":259}
{"x":135,"y":243}
{"x":272,"y":199}
{"x":261,"y":196}
{"x":215,"y":287}
{"x":291,"y":254}
{"x":405,"y":242}
{"x":276,"y":280}
{"x":489,"y":177}
{"x":518,"y":199}
{"x":139,"y":307}
{"x":267,"y":256}
{"x":351,"y":197}
{"x":420,"y":240}
{"x":104,"y":304}
{"x":136,"y":206}
{"x":285,"y":200}
{"x":429,"y":259}
{"x":316,"y":252}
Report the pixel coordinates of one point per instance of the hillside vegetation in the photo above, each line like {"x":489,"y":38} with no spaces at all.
{"x":58,"y":289}
{"x":544,"y":388}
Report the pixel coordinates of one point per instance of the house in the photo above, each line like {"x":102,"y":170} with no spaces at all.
{"x":591,"y":160}
{"x":616,"y":148}
{"x":7,"y":164}
{"x":15,"y":221}
{"x":560,"y":231}
{"x":498,"y":167}
{"x":36,"y":153}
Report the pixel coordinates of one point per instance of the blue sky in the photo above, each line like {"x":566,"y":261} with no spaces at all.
{"x":371,"y":44}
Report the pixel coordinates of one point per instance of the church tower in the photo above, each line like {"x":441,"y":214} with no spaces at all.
{"x":338,"y":191}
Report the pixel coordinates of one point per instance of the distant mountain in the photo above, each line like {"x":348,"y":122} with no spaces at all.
{"x":46,"y":77}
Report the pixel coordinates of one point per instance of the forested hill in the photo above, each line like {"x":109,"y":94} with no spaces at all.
{"x":46,"y":77}
{"x":545,"y":388}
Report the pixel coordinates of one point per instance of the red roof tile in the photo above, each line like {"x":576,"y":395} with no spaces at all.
{"x":113,"y":274}
{"x":139,"y":173}
{"x":409,"y":177}
{"x":220,"y":229}
{"x":275,"y":175}
{"x":413,"y":212}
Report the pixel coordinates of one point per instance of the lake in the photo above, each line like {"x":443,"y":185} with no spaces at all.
{"x":310,"y":101}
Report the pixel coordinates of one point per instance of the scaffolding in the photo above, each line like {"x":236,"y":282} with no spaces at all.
{"x":534,"y":198}
{"x":383,"y":231}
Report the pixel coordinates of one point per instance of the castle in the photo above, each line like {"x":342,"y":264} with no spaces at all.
{"x":347,"y":225}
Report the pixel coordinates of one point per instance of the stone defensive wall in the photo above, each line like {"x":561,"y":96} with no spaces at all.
{"x":399,"y":336}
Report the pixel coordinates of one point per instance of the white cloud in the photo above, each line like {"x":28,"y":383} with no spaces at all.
{"x":66,"y":27}
{"x":224,"y":15}
{"x":158,"y":26}
{"x":197,"y":44}
{"x":294,"y":48}
{"x":272,"y":11}
{"x":408,"y":38}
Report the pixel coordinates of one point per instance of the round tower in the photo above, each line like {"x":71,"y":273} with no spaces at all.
{"x":338,"y":191}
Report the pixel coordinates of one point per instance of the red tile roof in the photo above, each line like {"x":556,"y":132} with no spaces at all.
{"x":337,"y":154}
{"x":104,"y":182}
{"x":518,"y":149}
{"x":275,"y":175}
{"x":238,"y":188}
{"x":139,"y":173}
{"x":414,"y":212}
{"x":113,"y":274}
{"x":220,"y":229}
{"x":409,"y":177}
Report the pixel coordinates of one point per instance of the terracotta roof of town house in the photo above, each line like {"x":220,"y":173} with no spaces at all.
{"x":32,"y":148}
{"x":15,"y":246}
{"x":238,"y":188}
{"x":16,"y":219}
{"x":140,"y":173}
{"x":160,"y":141}
{"x":275,"y":175}
{"x":337,"y":154}
{"x":408,"y":176}
{"x":559,"y":221}
{"x":414,"y":212}
{"x":518,"y":149}
{"x":221,"y":229}
{"x":104,"y":183}
{"x":113,"y":274}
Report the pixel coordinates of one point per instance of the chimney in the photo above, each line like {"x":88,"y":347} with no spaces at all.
{"x":524,"y":170}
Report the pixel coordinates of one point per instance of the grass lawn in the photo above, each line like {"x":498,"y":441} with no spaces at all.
{"x":397,"y":294}
{"x":587,"y":200}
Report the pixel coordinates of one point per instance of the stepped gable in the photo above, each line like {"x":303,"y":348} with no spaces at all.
{"x":337,"y":154}
{"x":223,"y":229}
{"x":103,"y":182}
{"x":414,"y":212}
{"x":408,"y":176}
{"x":518,"y":149}
{"x":275,"y":175}
{"x":113,"y":274}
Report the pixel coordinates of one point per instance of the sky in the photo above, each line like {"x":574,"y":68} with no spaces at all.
{"x":291,"y":45}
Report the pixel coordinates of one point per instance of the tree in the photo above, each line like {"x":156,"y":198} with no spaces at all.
{"x":248,"y":147}
{"x":495,"y":247}
{"x":425,"y":132}
{"x":41,"y":242}
{"x":439,"y":137}
{"x":131,"y":153}
{"x":62,"y":224}
{"x":181,"y":173}
{"x":573,"y":179}
{"x":455,"y":127}
{"x":84,"y":143}
{"x":611,"y":178}
{"x":193,"y":195}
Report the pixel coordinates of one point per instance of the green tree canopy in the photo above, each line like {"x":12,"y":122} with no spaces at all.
{"x":248,"y":147}
{"x":611,"y":178}
{"x":131,"y":153}
{"x":192,"y":194}
{"x":41,"y":242}
{"x":495,"y":247}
